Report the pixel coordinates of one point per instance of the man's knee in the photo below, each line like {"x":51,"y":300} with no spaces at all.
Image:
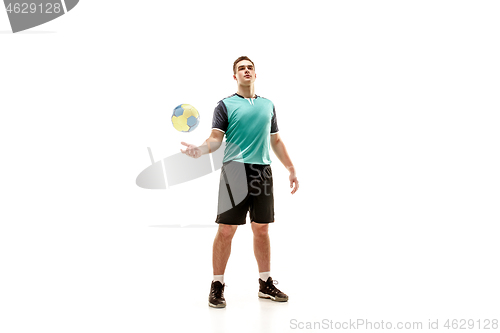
{"x":260,"y":229}
{"x":227,"y":231}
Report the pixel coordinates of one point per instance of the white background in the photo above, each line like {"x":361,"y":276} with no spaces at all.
{"x":388,"y":109}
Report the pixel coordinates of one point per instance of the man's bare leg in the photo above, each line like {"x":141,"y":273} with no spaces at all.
{"x":222,"y":247}
{"x":262,"y":246}
{"x":262,"y":250}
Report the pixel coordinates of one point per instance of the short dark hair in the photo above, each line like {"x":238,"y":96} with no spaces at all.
{"x":240,"y":59}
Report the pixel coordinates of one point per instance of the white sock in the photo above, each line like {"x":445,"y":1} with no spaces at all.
{"x":219,"y":278}
{"x":264,"y":275}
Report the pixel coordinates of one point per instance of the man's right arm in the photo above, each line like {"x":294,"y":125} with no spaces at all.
{"x":213,"y":142}
{"x":210,"y":145}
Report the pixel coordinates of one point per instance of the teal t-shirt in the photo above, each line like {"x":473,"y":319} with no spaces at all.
{"x":248,"y":124}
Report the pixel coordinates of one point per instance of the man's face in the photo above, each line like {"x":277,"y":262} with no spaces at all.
{"x":245,"y":73}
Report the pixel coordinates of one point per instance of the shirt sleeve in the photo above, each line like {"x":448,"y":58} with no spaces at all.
{"x":220,"y":120}
{"x":274,"y":123}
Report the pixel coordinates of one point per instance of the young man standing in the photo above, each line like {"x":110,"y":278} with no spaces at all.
{"x":249,"y":123}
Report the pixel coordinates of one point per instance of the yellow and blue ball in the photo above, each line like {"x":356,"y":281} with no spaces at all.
{"x":185,"y":118}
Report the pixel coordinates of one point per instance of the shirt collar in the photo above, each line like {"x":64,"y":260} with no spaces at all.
{"x":244,"y":97}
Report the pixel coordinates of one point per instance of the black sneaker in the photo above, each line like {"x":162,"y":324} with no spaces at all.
{"x":216,"y":297}
{"x":268,"y":290}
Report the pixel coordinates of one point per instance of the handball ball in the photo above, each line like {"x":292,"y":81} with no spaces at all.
{"x":185,"y":118}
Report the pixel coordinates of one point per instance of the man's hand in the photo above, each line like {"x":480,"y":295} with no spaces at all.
{"x":191,"y":150}
{"x":294,"y":180}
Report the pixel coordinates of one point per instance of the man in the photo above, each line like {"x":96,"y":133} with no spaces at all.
{"x":249,"y":123}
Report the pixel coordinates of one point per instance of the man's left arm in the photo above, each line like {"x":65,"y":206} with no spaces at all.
{"x":280,"y":150}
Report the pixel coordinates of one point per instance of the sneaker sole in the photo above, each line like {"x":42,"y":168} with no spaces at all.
{"x":273,"y":298}
{"x":223,"y":305}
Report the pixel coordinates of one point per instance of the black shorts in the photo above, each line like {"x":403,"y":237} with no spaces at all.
{"x":245,"y":188}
